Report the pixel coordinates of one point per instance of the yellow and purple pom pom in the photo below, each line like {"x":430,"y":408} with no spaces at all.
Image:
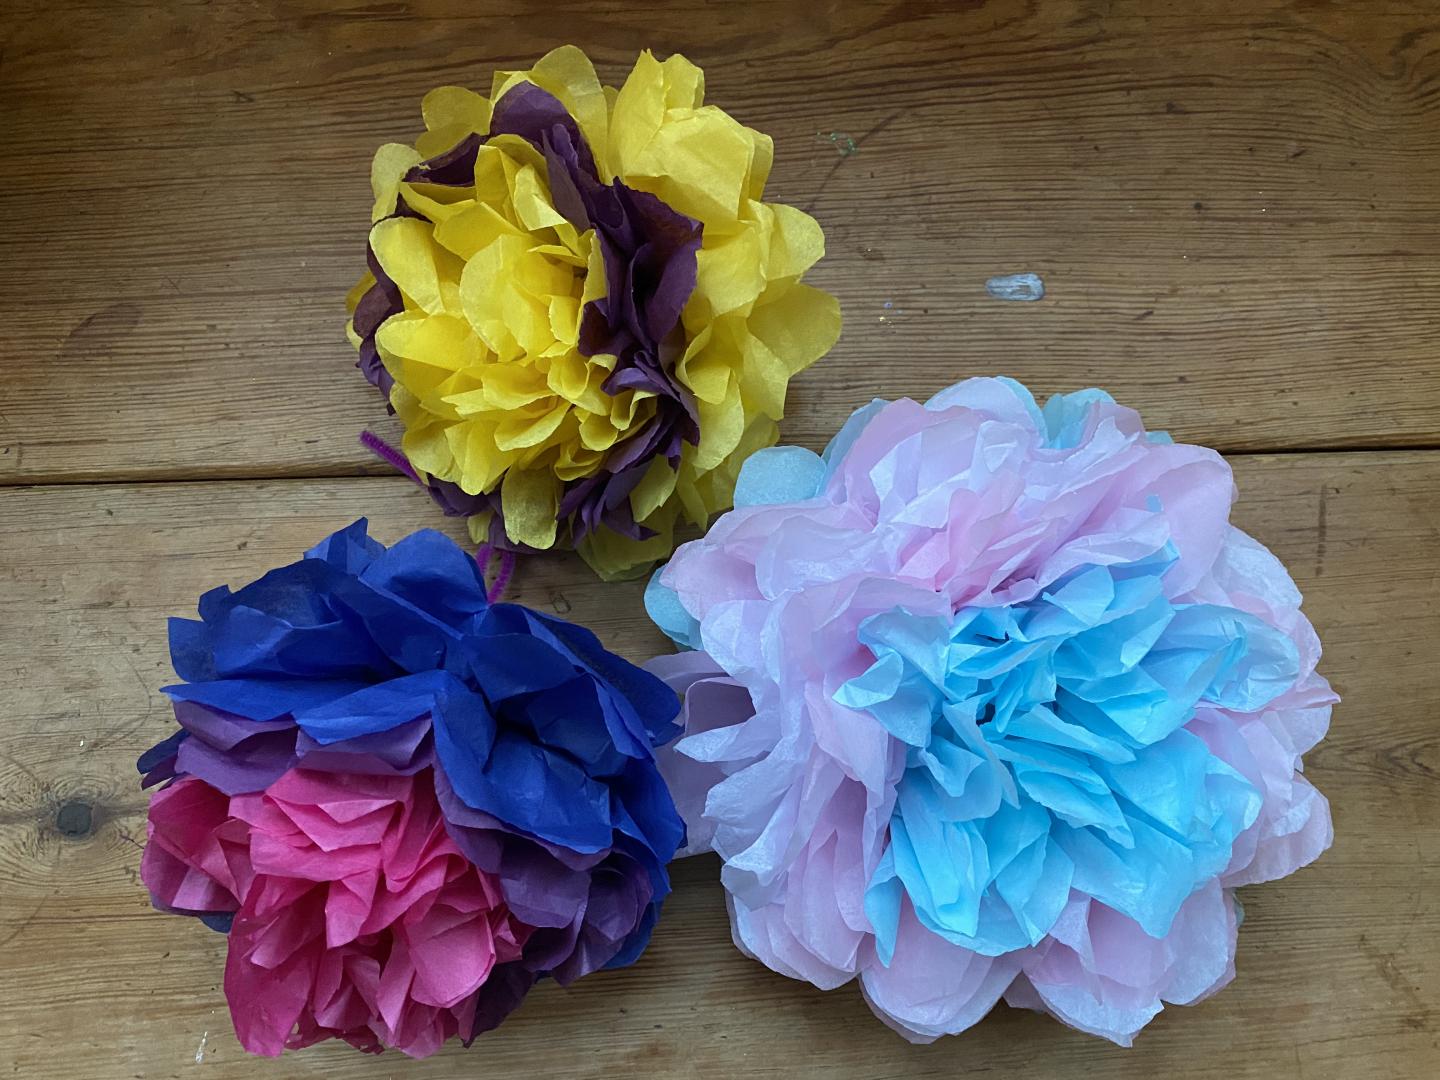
{"x":581,"y":308}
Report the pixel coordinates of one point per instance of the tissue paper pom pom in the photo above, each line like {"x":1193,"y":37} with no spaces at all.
{"x":992,"y":701}
{"x":580,"y":307}
{"x":364,"y":729}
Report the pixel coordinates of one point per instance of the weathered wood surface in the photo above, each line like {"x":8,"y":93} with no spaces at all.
{"x":1339,"y":966}
{"x":1235,"y":207}
{"x":1236,"y":211}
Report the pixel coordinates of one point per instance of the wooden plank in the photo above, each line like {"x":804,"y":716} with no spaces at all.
{"x":1339,"y":966}
{"x":1235,"y":207}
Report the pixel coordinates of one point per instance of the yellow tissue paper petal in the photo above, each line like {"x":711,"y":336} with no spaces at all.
{"x":428,"y":449}
{"x":479,"y":463}
{"x":801,"y":326}
{"x":532,"y":202}
{"x":451,"y":113}
{"x":796,"y":243}
{"x":708,"y":374}
{"x":515,"y":153}
{"x":486,"y":294}
{"x":684,"y":83}
{"x":519,"y":431}
{"x":728,"y":275}
{"x":638,"y":112}
{"x":567,"y":74}
{"x":565,"y":325}
{"x":513,"y":386}
{"x":436,"y":141}
{"x":764,"y":377}
{"x":560,"y":253}
{"x":631,"y":407}
{"x":538,"y":274}
{"x":568,"y":375}
{"x":594,"y":288}
{"x":479,"y":526}
{"x":597,"y":432}
{"x":472,"y":230}
{"x":690,"y":489}
{"x":492,"y":185}
{"x":618,"y":558}
{"x":405,"y":252}
{"x":761,"y":161}
{"x":717,"y":340}
{"x":651,"y":89}
{"x":697,"y":165}
{"x":529,"y":499}
{"x":455,"y":106}
{"x":441,"y":341}
{"x":721,"y":425}
{"x":655,"y":487}
{"x":389,"y":166}
{"x":436,"y":201}
{"x":573,"y":460}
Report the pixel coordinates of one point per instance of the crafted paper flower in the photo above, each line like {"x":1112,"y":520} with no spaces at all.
{"x":405,"y":803}
{"x":580,"y":307}
{"x":992,"y":701}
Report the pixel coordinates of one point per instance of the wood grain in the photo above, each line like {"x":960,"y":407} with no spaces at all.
{"x":1339,"y":965}
{"x":1236,"y":211}
{"x":1235,"y":207}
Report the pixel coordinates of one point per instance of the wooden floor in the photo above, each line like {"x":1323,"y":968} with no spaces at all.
{"x":1235,"y":208}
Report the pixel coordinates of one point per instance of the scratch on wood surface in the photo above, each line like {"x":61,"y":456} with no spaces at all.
{"x":1417,"y":1015}
{"x":94,"y":336}
{"x":23,"y":926}
{"x":852,"y":148}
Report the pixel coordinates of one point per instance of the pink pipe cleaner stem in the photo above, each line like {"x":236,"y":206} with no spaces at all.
{"x":388,"y":454}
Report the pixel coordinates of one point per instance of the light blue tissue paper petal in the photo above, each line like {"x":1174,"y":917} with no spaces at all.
{"x":1266,"y":663}
{"x":960,"y":897}
{"x":945,"y":869}
{"x":1041,"y":724}
{"x":921,"y":641}
{"x":1078,"y":801}
{"x":1066,"y":416}
{"x":1083,"y":598}
{"x":882,"y":906}
{"x":779,"y":474}
{"x":949,"y":765}
{"x":845,"y":438}
{"x":904,"y":707}
{"x":1165,"y":780}
{"x":662,"y":604}
{"x":1036,"y":897}
{"x":1148,"y":882}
